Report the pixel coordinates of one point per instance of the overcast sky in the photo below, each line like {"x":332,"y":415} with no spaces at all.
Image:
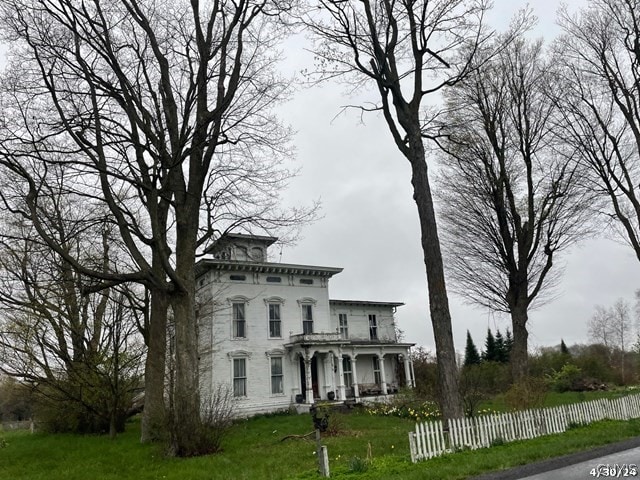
{"x":370,"y":223}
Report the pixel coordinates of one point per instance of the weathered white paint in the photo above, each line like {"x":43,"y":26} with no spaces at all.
{"x":239,"y":273}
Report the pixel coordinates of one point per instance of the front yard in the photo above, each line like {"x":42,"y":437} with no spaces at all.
{"x":365,"y":447}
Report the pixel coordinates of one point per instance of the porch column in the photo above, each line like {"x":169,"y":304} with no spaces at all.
{"x":356,"y":393}
{"x":329,"y":381}
{"x":413,"y":374}
{"x":407,"y":371}
{"x":341,"y":388}
{"x":308,"y":378}
{"x":383,"y":377}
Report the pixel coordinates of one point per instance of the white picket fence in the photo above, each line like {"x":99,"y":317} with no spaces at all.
{"x":431,"y":440}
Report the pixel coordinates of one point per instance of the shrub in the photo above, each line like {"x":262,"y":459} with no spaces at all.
{"x":481,"y":381}
{"x":568,"y":378}
{"x":74,"y":407}
{"x":358,"y":465}
{"x":426,"y":374}
{"x":527,"y":393}
{"x":217,"y":418}
{"x":16,"y":400}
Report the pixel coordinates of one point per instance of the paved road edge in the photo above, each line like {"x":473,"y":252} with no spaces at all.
{"x":559,"y":462}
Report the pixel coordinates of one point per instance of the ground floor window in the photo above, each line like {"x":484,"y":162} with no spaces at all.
{"x":377,"y":378}
{"x":239,"y":377}
{"x":276,"y":375}
{"x":348,"y":373}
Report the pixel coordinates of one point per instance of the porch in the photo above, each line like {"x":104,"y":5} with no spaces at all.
{"x":334,"y":369}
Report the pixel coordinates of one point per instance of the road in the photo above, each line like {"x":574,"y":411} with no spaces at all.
{"x":580,"y":466}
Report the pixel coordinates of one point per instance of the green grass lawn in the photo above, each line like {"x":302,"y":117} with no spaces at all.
{"x":553,"y":399}
{"x":254,"y":450}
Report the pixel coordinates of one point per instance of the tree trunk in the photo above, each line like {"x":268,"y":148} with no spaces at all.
{"x":450,"y":399}
{"x":187,"y":437}
{"x":519,"y":351}
{"x":154,"y":425}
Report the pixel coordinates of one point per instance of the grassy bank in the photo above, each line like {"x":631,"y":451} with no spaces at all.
{"x":367,"y":447}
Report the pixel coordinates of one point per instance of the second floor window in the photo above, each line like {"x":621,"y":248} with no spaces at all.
{"x":373,"y":327}
{"x":344,"y":327}
{"x":307,"y":318}
{"x":239,"y":323}
{"x":275,"y":322}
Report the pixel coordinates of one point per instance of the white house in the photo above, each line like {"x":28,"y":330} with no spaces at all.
{"x":271,"y":331}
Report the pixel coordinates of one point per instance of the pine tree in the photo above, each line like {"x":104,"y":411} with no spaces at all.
{"x":508,"y":343}
{"x":563,"y":348}
{"x":471,"y":355}
{"x":489,"y":354}
{"x":501,"y":351}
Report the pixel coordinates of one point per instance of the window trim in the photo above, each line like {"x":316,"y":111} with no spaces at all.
{"x":245,"y":356}
{"x":347,"y":362}
{"x":279,"y":301}
{"x":230,"y":301}
{"x":373,"y":326}
{"x":280,"y":375}
{"x":302,"y":304}
{"x":242,"y":378}
{"x":235,"y":321}
{"x":377,"y":372}
{"x":343,"y":329}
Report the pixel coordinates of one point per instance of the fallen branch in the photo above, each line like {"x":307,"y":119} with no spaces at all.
{"x":297,"y":436}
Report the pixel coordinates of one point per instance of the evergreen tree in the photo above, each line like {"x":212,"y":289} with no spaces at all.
{"x":563,"y":348}
{"x":508,"y":344}
{"x":490,"y":354}
{"x":501,"y":352}
{"x":471,"y":355}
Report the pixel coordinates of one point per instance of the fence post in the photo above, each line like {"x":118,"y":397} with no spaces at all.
{"x":323,"y":456}
{"x":412,"y":447}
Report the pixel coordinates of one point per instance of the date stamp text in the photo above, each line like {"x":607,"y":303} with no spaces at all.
{"x":621,"y":470}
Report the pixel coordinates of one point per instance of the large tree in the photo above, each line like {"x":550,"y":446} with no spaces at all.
{"x":510,"y":203}
{"x":408,"y":51}
{"x":160,"y":111}
{"x":598,"y":62}
{"x":79,"y":352}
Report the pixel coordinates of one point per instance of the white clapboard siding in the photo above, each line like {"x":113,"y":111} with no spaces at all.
{"x":430,"y":439}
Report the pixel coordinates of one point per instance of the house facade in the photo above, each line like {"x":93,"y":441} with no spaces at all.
{"x":272,"y":333}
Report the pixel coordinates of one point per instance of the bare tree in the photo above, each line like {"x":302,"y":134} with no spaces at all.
{"x":612,"y":328}
{"x":408,"y":50}
{"x":600,"y":327}
{"x":622,"y":330}
{"x":159,"y":110}
{"x":597,"y":59}
{"x":80,"y":352}
{"x":509,"y":201}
